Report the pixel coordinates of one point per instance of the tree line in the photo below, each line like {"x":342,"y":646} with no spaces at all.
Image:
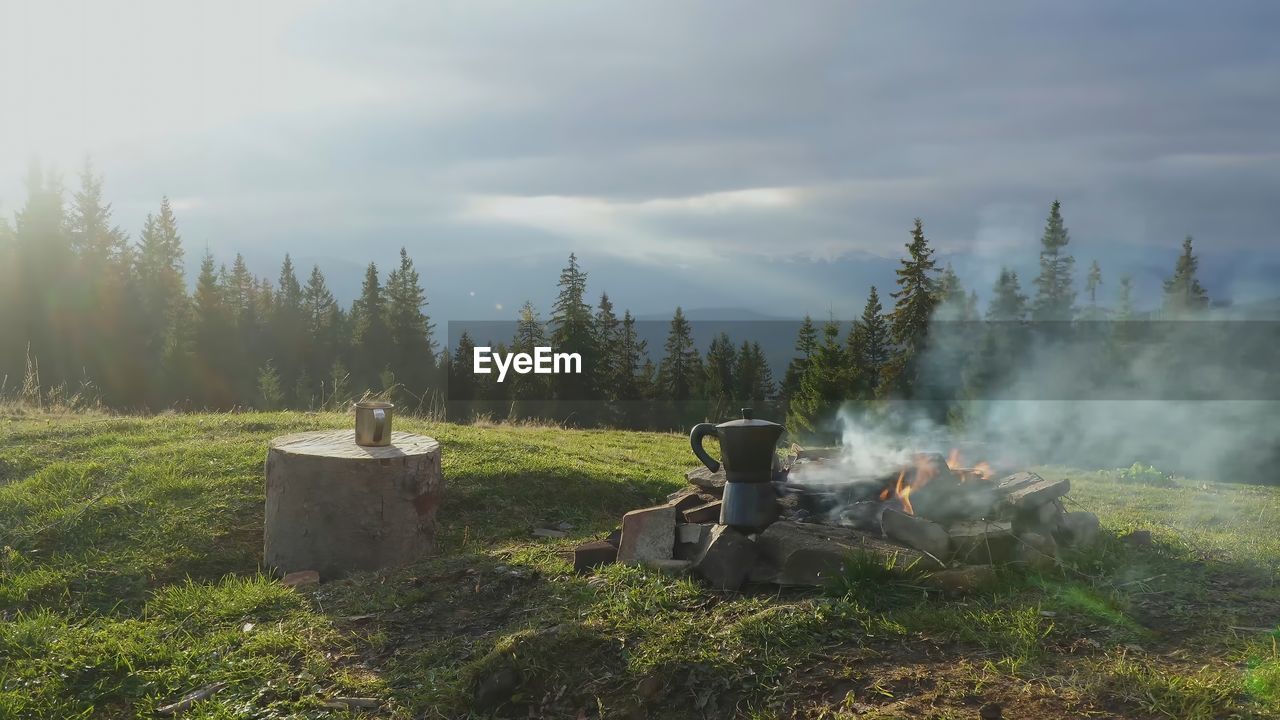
{"x":85,"y":308}
{"x":82,"y":305}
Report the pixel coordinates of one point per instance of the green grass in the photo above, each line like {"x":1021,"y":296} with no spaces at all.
{"x":130,"y":575}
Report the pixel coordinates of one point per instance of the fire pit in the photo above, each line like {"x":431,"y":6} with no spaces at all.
{"x":931,"y":514}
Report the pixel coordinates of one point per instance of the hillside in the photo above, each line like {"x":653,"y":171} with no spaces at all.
{"x":130,"y":576}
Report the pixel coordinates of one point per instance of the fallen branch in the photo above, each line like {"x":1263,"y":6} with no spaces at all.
{"x":185,"y":702}
{"x":1135,"y":582}
{"x":342,"y":703}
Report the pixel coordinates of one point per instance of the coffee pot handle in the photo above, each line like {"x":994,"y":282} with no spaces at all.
{"x":700,"y":431}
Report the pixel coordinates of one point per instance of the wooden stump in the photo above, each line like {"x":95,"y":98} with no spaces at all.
{"x":336,"y":507}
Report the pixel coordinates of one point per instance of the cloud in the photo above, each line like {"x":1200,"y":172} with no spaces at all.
{"x":666,"y":131}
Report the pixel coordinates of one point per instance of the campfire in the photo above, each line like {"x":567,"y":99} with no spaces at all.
{"x":947,"y":517}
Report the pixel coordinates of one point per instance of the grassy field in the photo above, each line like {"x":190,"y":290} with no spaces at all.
{"x":129,"y":576}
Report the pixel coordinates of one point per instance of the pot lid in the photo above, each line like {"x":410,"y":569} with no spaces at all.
{"x":747,"y":421}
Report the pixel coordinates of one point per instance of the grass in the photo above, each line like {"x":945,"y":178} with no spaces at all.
{"x":130,"y":575}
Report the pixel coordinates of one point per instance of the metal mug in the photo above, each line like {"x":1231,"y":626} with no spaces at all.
{"x":373,"y":423}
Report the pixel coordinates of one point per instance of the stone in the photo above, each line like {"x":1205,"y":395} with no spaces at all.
{"x":690,"y":539}
{"x":301,"y":579}
{"x":764,"y":571}
{"x":669,"y":567}
{"x":712,"y":482}
{"x":593,"y":554}
{"x":1046,"y":519}
{"x":649,"y":688}
{"x":496,"y":688}
{"x":1035,"y":551}
{"x":916,"y":532}
{"x":706,"y":512}
{"x":1080,"y":528}
{"x":726,"y":558}
{"x":811,"y":554}
{"x":982,"y":542}
{"x":685,"y":499}
{"x":863,"y":515}
{"x":1139,"y":538}
{"x":648,"y":534}
{"x":548,"y":533}
{"x":1026,"y":490}
{"x":692,"y":533}
{"x":964,"y":579}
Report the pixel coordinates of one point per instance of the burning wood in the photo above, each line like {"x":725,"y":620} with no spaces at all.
{"x":943,"y":512}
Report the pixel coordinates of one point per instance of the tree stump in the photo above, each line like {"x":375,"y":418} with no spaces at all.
{"x":336,"y":507}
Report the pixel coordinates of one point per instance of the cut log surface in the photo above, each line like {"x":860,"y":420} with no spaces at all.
{"x":1027,"y":490}
{"x":337,"y":507}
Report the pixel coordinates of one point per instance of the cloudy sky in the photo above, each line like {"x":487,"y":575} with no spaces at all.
{"x":752,"y":155}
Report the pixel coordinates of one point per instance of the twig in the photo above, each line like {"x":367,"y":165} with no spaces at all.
{"x":70,"y":518}
{"x":185,"y":702}
{"x":1135,"y":582}
{"x":341,"y":703}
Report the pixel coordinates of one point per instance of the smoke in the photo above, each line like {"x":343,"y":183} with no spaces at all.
{"x":1200,"y":398}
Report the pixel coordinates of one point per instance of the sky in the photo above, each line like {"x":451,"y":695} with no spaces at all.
{"x":750,"y":155}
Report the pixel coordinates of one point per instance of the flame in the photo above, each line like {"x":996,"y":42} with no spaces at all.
{"x":922,"y":471}
{"x":981,"y":470}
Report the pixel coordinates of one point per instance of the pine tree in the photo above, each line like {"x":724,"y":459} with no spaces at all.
{"x":270,"y":396}
{"x":323,"y":324}
{"x":101,"y":328}
{"x":339,"y":386}
{"x":530,"y":334}
{"x":572,"y":332}
{"x":1008,"y":304}
{"x":953,"y":301}
{"x":1183,"y":293}
{"x":822,"y":387}
{"x":718,"y":379}
{"x":288,"y":329}
{"x":605,"y":337}
{"x":753,"y":380}
{"x":372,"y":339}
{"x":163,"y":306}
{"x":42,"y":295}
{"x":806,"y":343}
{"x":916,"y":300}
{"x":98,"y":242}
{"x":1124,"y":306}
{"x":681,"y":366}
{"x":215,"y":350}
{"x":1055,"y":292}
{"x":633,"y":355}
{"x":462,"y":385}
{"x":1093,"y":282}
{"x":868,"y":347}
{"x":410,"y":328}
{"x":12,"y":332}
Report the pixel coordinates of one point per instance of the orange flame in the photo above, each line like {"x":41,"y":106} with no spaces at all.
{"x":981,"y":471}
{"x":953,"y":459}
